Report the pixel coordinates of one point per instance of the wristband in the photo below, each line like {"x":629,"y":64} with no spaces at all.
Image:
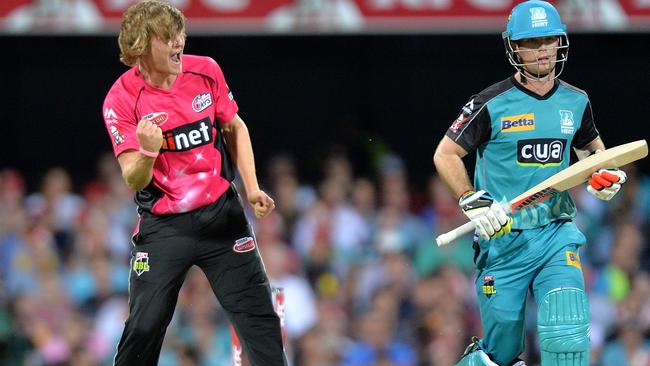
{"x":148,"y":153}
{"x":465,"y":194}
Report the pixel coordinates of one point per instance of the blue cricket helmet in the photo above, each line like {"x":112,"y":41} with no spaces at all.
{"x":533,"y":19}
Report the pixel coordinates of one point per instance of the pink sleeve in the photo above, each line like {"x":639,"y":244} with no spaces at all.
{"x":226,"y":107}
{"x":120,"y":124}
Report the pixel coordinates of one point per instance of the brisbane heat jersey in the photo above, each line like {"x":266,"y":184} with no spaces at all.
{"x":193,"y":168}
{"x":521,"y":139}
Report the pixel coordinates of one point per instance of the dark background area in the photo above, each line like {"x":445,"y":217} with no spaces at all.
{"x":305,"y":95}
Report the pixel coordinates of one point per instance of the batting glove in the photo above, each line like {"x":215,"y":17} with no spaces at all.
{"x":487,"y":215}
{"x":605,"y":183}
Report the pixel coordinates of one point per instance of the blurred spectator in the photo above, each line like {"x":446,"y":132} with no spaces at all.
{"x":629,"y":348}
{"x":57,"y":207}
{"x":376,"y":345}
{"x":300,"y":307}
{"x":330,"y":233}
{"x":317,"y":15}
{"x":391,"y":270}
{"x":364,"y":282}
{"x":55,"y":15}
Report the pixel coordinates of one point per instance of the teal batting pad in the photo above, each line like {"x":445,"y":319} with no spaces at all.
{"x":563,"y":327}
{"x":476,"y":358}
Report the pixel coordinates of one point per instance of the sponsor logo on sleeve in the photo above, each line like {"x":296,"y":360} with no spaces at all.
{"x":466,"y":111}
{"x":566,"y":122}
{"x":540,"y":152}
{"x":141,"y":263}
{"x":230,"y":96}
{"x":573,"y":259}
{"x":109,"y":116}
{"x":201,"y":102}
{"x":188,"y":136}
{"x":244,"y":245}
{"x":158,"y":118}
{"x":488,"y":286}
{"x":521,"y":122}
{"x":117,"y":137}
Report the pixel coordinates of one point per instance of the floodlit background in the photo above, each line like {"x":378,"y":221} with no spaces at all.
{"x":346,"y":100}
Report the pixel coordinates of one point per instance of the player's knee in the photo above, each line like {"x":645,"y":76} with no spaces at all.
{"x":563,"y":327}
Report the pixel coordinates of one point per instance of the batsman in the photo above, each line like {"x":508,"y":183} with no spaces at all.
{"x":522,"y":130}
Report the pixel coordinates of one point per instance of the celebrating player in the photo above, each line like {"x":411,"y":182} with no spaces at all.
{"x":522,"y":129}
{"x":176,"y":134}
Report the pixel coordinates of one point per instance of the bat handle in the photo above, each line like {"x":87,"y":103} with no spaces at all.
{"x":454,"y":234}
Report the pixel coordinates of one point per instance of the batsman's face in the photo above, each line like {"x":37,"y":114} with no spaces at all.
{"x":165,"y":57}
{"x":538,"y":54}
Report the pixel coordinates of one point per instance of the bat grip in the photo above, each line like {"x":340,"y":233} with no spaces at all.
{"x":454,"y":234}
{"x":466,"y":228}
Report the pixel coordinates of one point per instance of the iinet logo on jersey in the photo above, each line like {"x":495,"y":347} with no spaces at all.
{"x":188,"y":136}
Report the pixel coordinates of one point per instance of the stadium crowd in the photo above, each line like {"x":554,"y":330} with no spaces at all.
{"x":363,"y":280}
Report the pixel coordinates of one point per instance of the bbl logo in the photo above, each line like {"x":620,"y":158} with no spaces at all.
{"x":488,"y":286}
{"x":141,"y":263}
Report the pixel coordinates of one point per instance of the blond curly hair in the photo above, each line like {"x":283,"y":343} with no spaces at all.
{"x":142,"y":21}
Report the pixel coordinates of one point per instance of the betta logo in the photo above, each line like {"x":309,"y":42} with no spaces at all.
{"x":188,"y":136}
{"x":201,"y":102}
{"x":540,"y":152}
{"x":244,"y":245}
{"x":158,"y":118}
{"x":522,"y":122}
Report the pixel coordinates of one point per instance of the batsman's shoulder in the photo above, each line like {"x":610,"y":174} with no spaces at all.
{"x":573,"y":88}
{"x":496,"y":89}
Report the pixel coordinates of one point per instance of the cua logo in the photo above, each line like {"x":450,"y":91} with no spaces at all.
{"x":540,"y":152}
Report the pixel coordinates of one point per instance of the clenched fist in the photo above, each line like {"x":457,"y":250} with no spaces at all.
{"x":149,"y":135}
{"x":261,"y":202}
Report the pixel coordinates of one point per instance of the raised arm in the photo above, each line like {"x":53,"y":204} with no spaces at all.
{"x":137,"y":165}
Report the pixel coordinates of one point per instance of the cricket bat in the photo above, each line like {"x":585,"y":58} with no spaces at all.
{"x":569,"y":177}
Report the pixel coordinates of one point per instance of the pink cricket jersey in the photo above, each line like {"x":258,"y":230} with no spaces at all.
{"x":188,"y":173}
